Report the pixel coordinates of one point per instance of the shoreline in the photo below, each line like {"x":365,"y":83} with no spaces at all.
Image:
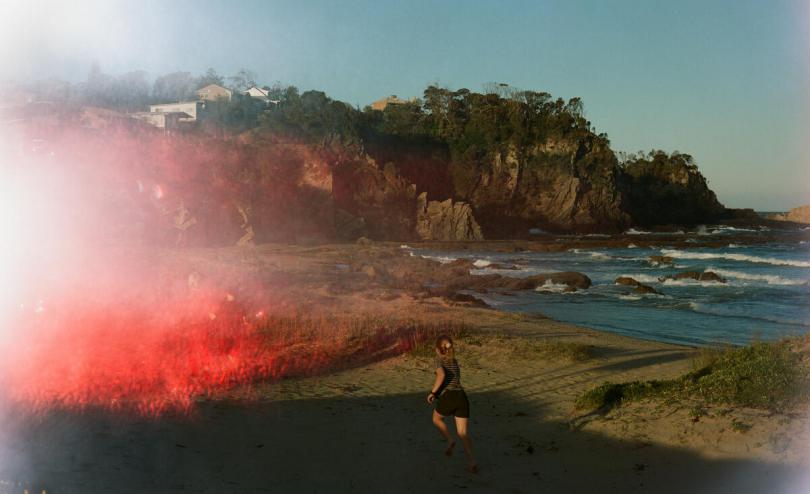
{"x":367,"y":426}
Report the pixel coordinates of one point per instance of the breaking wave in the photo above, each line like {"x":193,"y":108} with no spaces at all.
{"x":770,"y":279}
{"x":735,"y":257}
{"x":643,"y":278}
{"x":551,"y":287}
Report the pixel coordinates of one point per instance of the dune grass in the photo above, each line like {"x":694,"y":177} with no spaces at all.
{"x":768,"y":376}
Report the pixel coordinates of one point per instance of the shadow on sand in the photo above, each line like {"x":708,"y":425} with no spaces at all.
{"x":355,"y":444}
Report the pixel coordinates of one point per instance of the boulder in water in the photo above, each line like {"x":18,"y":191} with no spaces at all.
{"x":639,"y":287}
{"x":658,"y":260}
{"x":698,"y":276}
{"x":625,"y":280}
{"x":644,"y":289}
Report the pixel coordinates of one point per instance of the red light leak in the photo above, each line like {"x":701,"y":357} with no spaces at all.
{"x":159,"y":358}
{"x":79,"y":332}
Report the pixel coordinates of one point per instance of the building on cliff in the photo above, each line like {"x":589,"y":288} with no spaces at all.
{"x":380,"y":104}
{"x":172,"y":115}
{"x":260,"y":94}
{"x":213,"y":92}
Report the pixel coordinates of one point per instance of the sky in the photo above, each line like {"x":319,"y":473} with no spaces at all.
{"x":725,"y":81}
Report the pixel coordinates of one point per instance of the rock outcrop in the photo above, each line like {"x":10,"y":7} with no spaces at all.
{"x":199,"y":188}
{"x":445,"y":220}
{"x":796,"y":215}
{"x":566,"y":183}
{"x":698,"y":276}
{"x":573,"y":280}
{"x":668,"y":190}
{"x":638,"y":287}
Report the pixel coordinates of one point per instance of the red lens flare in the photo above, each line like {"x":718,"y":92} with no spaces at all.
{"x":90,"y":317}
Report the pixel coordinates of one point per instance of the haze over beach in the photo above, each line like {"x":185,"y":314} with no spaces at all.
{"x":240,"y":243}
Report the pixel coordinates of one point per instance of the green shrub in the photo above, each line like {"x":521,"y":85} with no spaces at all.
{"x":609,"y":395}
{"x":763,"y":375}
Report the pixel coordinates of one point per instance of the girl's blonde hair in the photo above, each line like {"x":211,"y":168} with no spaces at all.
{"x":444,"y":345}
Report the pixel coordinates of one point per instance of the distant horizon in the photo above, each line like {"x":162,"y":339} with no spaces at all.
{"x":726,"y":83}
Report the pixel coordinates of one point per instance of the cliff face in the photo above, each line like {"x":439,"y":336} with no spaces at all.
{"x":668,"y":191}
{"x":800,"y":214}
{"x":562,"y":185}
{"x":201,"y":189}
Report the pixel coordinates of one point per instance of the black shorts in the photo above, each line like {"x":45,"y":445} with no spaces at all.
{"x":453,"y":402}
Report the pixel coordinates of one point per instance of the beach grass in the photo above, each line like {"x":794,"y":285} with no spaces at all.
{"x":768,"y":376}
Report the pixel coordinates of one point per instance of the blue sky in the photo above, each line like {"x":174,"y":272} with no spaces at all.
{"x":725,"y":81}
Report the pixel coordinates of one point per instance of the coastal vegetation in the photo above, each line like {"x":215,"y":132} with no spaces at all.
{"x":770,"y":376}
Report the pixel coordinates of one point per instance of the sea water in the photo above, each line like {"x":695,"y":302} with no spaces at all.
{"x":766,"y":296}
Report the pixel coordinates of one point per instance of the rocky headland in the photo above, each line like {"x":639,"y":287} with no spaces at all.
{"x":800,"y":214}
{"x":336,"y":174}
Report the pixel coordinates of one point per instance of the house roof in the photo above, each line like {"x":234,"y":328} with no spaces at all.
{"x":261,"y":91}
{"x":212,"y":86}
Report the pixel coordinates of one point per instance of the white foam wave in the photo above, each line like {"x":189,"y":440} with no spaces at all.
{"x":727,"y":228}
{"x":441,"y":259}
{"x":632,"y":246}
{"x":403,"y":246}
{"x":551,"y":287}
{"x":643,"y":278}
{"x":481,"y":263}
{"x":767,"y":278}
{"x":691,"y":282}
{"x":630,"y":297}
{"x":633,"y":231}
{"x":733,"y":246}
{"x":595,"y":255}
{"x":735,"y":257}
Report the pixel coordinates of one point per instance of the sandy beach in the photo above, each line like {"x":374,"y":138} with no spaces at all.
{"x":366,"y":428}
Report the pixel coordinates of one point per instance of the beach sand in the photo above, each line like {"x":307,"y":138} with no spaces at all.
{"x":367,"y":428}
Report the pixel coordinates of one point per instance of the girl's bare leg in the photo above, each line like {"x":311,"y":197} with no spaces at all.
{"x":438,"y":421}
{"x":461,"y":430}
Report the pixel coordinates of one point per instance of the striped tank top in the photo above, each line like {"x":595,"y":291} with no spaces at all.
{"x":452,"y":373}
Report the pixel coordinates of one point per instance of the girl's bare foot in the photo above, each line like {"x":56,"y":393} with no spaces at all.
{"x":472,"y":468}
{"x":449,"y":450}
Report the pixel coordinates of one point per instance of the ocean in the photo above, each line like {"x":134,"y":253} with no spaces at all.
{"x":766,"y":295}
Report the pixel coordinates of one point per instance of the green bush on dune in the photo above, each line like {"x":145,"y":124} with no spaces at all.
{"x":763,"y":375}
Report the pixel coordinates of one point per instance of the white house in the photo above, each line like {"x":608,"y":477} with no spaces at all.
{"x":172,"y":115}
{"x":194,"y":109}
{"x":260,"y":94}
{"x":163,"y":120}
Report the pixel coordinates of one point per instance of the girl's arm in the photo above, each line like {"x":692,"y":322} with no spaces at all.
{"x":437,"y":384}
